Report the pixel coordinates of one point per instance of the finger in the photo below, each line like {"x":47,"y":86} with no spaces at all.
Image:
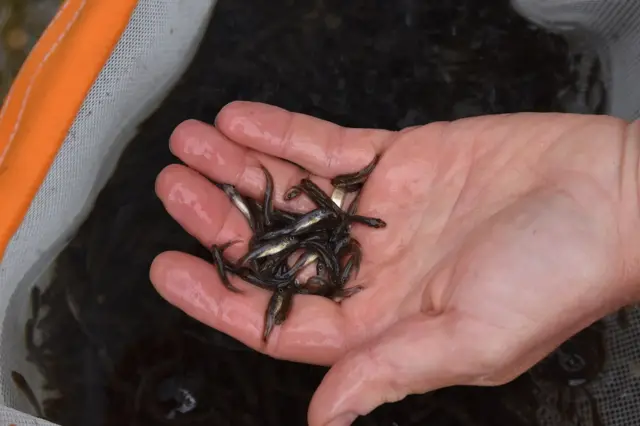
{"x":205,"y":149}
{"x":202,"y":209}
{"x":416,"y":355}
{"x":323,"y":148}
{"x":312,"y":332}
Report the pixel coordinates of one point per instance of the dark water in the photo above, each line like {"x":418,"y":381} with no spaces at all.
{"x":126,"y":357}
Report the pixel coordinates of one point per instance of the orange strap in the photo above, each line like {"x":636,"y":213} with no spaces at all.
{"x":46,"y":96}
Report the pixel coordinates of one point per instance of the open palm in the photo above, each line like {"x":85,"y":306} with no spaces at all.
{"x":505,"y":235}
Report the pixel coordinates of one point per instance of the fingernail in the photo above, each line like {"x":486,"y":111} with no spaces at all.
{"x":345,"y":419}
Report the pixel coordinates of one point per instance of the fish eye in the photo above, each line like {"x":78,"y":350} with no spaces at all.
{"x":571,"y":363}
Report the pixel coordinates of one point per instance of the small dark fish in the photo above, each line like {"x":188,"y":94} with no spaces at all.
{"x":255,"y":209}
{"x":341,"y":244}
{"x":356,"y":187}
{"x":352,"y":264}
{"x":353,"y":207}
{"x":21,"y":383}
{"x":279,"y":215}
{"x":269,"y":248}
{"x":304,"y":260}
{"x":316,"y":194}
{"x":318,"y":286}
{"x":351,"y":212}
{"x":277,"y":310}
{"x":341,"y":231}
{"x":369,"y":221}
{"x":251,"y":277}
{"x":218,"y":258}
{"x":286,"y":217}
{"x":241,"y":204}
{"x":292,"y":193}
{"x":351,"y":180}
{"x":355,"y":250}
{"x":277,"y":260}
{"x":268,"y":198}
{"x":313,"y":221}
{"x":283,"y":270}
{"x":345,"y":293}
{"x":295,"y":164}
{"x":254,"y":206}
{"x":320,"y":236}
{"x":328,"y":258}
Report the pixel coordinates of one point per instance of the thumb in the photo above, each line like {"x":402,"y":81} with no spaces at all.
{"x":416,"y":355}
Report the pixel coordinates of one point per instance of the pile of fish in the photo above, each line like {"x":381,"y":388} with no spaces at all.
{"x":323,"y":234}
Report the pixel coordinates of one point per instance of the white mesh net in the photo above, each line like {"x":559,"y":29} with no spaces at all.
{"x":154,"y":50}
{"x":158,"y":44}
{"x":610,"y":27}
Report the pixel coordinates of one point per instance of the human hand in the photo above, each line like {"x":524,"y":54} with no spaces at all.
{"x":505,"y":236}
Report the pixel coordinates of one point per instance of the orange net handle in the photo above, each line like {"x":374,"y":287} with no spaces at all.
{"x":46,"y":96}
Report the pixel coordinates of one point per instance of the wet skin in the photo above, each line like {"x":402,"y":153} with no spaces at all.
{"x":515,"y":231}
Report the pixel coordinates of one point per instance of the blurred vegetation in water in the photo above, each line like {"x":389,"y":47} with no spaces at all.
{"x":21,"y":24}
